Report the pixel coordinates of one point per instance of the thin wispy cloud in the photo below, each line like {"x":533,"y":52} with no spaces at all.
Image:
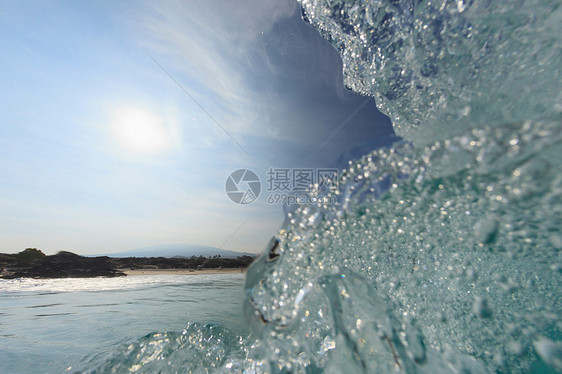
{"x":210,"y":47}
{"x":103,"y":151}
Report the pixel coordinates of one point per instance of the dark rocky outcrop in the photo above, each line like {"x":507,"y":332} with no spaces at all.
{"x":61,"y":265}
{"x":32,"y":263}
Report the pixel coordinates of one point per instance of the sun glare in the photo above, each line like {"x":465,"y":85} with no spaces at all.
{"x":141,"y":131}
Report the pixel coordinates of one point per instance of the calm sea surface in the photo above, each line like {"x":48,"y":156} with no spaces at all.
{"x":65,"y":325}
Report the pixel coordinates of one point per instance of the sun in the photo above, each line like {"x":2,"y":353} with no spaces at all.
{"x":140,"y":130}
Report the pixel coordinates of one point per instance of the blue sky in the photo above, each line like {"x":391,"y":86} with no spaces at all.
{"x":101,"y":151}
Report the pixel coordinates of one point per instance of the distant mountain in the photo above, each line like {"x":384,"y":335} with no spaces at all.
{"x":183,"y":250}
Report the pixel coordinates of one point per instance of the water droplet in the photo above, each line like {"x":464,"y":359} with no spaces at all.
{"x":481,"y":308}
{"x":486,"y":230}
{"x":550,"y":352}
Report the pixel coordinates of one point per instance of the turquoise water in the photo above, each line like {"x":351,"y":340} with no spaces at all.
{"x":443,"y":253}
{"x":53,"y":326}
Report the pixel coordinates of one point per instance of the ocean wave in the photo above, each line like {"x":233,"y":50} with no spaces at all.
{"x":442,"y":254}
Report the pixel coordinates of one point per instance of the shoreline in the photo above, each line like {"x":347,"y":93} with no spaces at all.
{"x":137,"y":272}
{"x":32,"y":263}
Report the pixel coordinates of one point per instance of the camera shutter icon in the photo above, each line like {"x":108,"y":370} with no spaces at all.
{"x":243,"y":186}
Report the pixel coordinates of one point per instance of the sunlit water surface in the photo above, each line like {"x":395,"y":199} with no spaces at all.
{"x":52,"y":326}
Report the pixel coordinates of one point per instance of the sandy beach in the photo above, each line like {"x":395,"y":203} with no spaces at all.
{"x":136,"y":272}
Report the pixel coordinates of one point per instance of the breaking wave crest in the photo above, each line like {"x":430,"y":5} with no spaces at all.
{"x":443,"y":253}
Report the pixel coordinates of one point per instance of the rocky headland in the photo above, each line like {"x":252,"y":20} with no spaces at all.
{"x":32,"y":263}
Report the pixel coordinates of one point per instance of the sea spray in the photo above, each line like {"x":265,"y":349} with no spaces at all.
{"x":461,"y":242}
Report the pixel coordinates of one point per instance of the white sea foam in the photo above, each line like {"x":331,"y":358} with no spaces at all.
{"x":103,"y":284}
